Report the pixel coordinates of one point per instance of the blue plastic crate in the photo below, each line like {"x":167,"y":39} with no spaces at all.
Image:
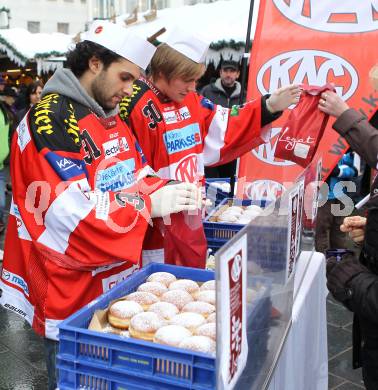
{"x":216,"y":195}
{"x":269,"y":254}
{"x":97,"y":361}
{"x":222,"y":232}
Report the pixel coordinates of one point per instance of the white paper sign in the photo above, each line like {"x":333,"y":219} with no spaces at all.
{"x":295,"y":207}
{"x":233,"y":308}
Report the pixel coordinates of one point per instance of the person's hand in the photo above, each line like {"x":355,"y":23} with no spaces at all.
{"x":355,"y":227}
{"x":332,"y":104}
{"x":339,"y":275}
{"x":283,"y":97}
{"x":174,"y":198}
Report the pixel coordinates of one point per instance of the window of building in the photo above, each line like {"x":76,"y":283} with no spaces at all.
{"x":63,"y":28}
{"x":34,"y":27}
{"x":84,"y":1}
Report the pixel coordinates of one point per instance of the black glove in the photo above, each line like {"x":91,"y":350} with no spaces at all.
{"x":339,"y":275}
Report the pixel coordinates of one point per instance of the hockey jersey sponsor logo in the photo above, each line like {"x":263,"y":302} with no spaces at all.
{"x":176,"y":115}
{"x":187,"y":169}
{"x":66,"y":167}
{"x":16,"y":280}
{"x":23,"y":134}
{"x":117,"y":177}
{"x":111,"y":281}
{"x":182,"y":139}
{"x":21,"y":228}
{"x":115,"y":146}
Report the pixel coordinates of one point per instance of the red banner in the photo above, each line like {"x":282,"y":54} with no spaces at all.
{"x":312,"y":42}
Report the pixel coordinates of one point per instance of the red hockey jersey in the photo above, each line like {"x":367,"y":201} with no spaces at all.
{"x":179,"y":139}
{"x":79,"y":212}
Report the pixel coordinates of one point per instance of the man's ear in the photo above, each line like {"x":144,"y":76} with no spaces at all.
{"x":95,"y":65}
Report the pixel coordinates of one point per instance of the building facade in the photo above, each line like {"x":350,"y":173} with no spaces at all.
{"x":73,"y":16}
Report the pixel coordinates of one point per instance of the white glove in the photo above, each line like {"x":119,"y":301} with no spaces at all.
{"x":283,"y":97}
{"x":174,"y":198}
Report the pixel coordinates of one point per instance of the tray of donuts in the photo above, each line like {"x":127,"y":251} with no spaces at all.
{"x":157,"y":326}
{"x":230,"y":216}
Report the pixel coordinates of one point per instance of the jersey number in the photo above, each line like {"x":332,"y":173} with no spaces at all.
{"x":91,"y":149}
{"x":151,"y":112}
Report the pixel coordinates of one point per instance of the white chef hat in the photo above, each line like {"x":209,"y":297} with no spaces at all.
{"x":192,"y":46}
{"x":117,"y":39}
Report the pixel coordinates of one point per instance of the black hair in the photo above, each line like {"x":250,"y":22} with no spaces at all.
{"x":78,"y":58}
{"x":32,"y":88}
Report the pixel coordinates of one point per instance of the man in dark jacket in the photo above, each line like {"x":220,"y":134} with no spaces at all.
{"x":355,"y":282}
{"x":225,"y":91}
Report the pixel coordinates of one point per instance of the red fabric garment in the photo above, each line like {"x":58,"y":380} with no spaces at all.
{"x":79,"y":212}
{"x":304,"y":128}
{"x":180,"y":139}
{"x":184,"y":241}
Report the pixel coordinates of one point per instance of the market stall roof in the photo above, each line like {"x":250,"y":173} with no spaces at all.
{"x":21,"y":46}
{"x":223,"y":22}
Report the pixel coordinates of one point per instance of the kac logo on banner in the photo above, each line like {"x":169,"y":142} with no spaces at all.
{"x":264,"y":189}
{"x":332,"y":15}
{"x":310,"y":66}
{"x":265,"y":152}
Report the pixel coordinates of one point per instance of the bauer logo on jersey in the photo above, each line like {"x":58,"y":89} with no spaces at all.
{"x":182,"y":139}
{"x":115,"y":146}
{"x":66,"y":167}
{"x":117,"y":177}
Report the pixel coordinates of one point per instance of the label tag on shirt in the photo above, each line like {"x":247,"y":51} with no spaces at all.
{"x":102,"y":204}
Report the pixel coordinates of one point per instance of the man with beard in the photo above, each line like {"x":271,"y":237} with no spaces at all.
{"x":225,"y":91}
{"x":83,"y":194}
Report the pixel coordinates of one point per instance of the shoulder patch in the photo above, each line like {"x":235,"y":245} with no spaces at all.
{"x":128,"y":103}
{"x":205,"y":102}
{"x":51,"y":120}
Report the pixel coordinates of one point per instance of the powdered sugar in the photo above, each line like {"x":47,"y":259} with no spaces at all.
{"x":164,"y":310}
{"x":171,"y":335}
{"x":178,"y":298}
{"x":199,"y":343}
{"x":146,"y":322}
{"x":125,"y":309}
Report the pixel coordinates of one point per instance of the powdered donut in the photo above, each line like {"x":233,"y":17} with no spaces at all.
{"x":208,"y":330}
{"x":144,"y":326}
{"x":199,"y":307}
{"x":209,"y":285}
{"x":162,"y":277}
{"x":228,"y":217}
{"x":171,"y":335}
{"x":185,"y":284}
{"x":145,"y":299}
{"x":164,"y":310}
{"x":199,"y":343}
{"x":120,"y":313}
{"x":206,"y":296}
{"x":155,"y":288}
{"x":254,"y":208}
{"x":234,"y":209}
{"x":190,"y":321}
{"x":212,"y":318}
{"x":179,"y":298}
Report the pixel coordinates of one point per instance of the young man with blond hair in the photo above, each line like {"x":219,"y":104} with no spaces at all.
{"x":181,"y":132}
